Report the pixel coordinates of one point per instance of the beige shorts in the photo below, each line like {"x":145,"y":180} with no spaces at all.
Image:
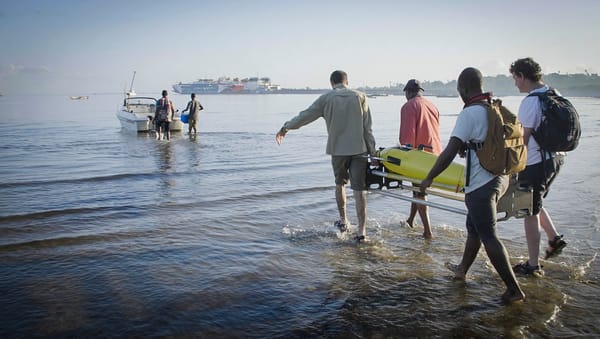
{"x":351,"y":168}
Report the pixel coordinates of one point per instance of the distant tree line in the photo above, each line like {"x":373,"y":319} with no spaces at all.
{"x":502,"y":85}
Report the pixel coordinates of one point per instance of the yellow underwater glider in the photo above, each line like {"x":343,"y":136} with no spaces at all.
{"x":402,"y":165}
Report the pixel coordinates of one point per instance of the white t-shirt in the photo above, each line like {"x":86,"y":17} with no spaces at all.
{"x":472,"y":125}
{"x":530,"y":115}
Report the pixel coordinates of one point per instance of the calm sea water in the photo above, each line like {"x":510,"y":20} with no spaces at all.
{"x":108,"y":233}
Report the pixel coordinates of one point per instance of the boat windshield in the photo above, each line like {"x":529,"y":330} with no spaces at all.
{"x":140,"y":101}
{"x":140,"y":104}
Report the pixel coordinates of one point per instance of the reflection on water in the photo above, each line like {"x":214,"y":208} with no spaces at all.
{"x":106,"y":233}
{"x":163,"y":149}
{"x":165,"y":168}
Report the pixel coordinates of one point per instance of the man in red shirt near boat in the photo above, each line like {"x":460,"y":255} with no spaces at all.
{"x":163,"y":116}
{"x":419,"y":128}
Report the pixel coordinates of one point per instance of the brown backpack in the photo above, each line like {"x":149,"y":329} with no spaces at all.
{"x":503,"y":151}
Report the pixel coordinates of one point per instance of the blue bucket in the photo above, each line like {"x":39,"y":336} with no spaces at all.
{"x":184,"y":118}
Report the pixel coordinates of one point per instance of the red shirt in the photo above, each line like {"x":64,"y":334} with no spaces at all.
{"x":420,"y":124}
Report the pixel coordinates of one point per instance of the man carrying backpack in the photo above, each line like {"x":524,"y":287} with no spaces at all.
{"x":542,"y":166}
{"x":484,"y":188}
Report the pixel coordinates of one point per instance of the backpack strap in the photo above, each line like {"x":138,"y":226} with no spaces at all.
{"x":474,"y":145}
{"x":549,"y":91}
{"x":485,"y":103}
{"x":468,"y":174}
{"x":483,"y":99}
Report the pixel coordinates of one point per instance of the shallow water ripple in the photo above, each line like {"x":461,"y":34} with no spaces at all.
{"x":104,"y":233}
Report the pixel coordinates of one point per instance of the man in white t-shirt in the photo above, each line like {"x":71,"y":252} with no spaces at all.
{"x":541,"y":166}
{"x":484,"y":189}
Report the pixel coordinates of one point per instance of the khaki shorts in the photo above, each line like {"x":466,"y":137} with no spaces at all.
{"x":351,"y":168}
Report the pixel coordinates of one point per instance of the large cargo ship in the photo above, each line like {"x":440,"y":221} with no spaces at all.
{"x":227,"y":85}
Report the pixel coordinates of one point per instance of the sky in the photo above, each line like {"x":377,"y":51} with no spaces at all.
{"x":92,"y":46}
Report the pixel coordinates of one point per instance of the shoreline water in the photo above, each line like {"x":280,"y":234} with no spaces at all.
{"x":105,"y":233}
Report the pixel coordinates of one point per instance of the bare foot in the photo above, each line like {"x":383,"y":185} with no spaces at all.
{"x":459,"y":274}
{"x":511,"y":296}
{"x":409,"y":223}
{"x":427,"y":235}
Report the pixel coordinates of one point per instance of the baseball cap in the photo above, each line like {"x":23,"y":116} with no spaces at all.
{"x":413,"y":84}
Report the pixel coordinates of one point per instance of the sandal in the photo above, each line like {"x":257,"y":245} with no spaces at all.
{"x":556,"y":245}
{"x":341,"y":226}
{"x":525,"y":269}
{"x":360,"y":239}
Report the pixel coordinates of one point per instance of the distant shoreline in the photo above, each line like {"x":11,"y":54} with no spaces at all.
{"x":569,"y":85}
{"x":370,"y":93}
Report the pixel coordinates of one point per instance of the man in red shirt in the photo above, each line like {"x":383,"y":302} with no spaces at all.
{"x":164,"y":116}
{"x":419,"y":128}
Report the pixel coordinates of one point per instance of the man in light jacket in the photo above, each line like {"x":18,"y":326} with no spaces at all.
{"x":350,"y":140}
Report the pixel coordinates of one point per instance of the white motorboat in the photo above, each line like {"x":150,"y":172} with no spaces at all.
{"x":137,"y":115}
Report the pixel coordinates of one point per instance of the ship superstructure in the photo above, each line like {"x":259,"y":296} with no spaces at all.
{"x":224,"y":85}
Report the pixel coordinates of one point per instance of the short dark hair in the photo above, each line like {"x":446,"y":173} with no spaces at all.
{"x":338,"y":77}
{"x":528,"y":68}
{"x":164,"y":92}
{"x":193,"y":95}
{"x":470,"y":79}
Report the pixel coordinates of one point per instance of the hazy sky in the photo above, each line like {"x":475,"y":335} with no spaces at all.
{"x":87,"y":46}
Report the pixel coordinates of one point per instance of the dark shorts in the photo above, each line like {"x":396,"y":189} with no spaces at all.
{"x":418,"y":193}
{"x":163,"y":125}
{"x":351,"y":168}
{"x":481,"y":207}
{"x":534,"y":176}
